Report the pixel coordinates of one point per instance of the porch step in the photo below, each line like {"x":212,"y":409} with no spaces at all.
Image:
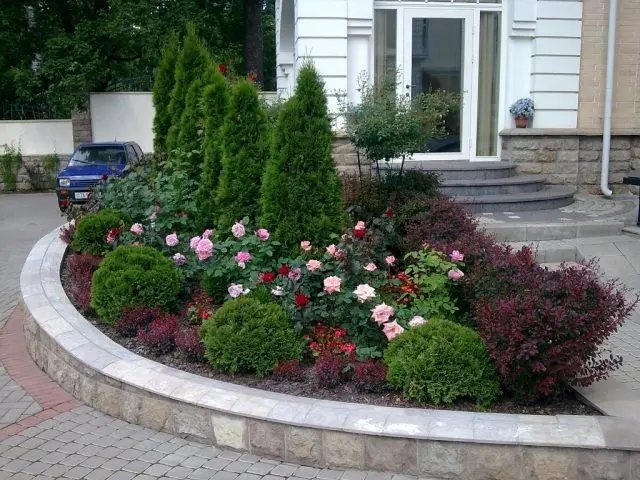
{"x":493,"y":186}
{"x":459,"y":170}
{"x":550,"y":197}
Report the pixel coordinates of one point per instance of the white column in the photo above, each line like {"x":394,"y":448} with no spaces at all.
{"x":360,"y":43}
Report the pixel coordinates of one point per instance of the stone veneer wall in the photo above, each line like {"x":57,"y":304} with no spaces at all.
{"x":344,"y":155}
{"x":23,"y":182}
{"x":81,"y":122}
{"x":572,"y":157}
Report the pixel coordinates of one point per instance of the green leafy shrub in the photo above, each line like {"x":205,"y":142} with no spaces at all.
{"x":441,"y":362}
{"x":247,"y":336}
{"x":134,"y":276}
{"x":92,"y":229}
{"x":10,"y":163}
{"x":162,"y":87}
{"x":190,"y":134}
{"x":301,"y":194}
{"x":245,"y":152}
{"x":215,"y":102}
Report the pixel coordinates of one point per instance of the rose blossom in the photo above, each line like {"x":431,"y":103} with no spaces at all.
{"x":313,"y":265}
{"x":263,"y":234}
{"x":331,"y":249}
{"x":194,"y":242}
{"x":456,"y":256}
{"x":238,"y":230}
{"x":172,"y":239}
{"x":236,"y":289}
{"x":360,"y":225}
{"x":207,"y":233}
{"x":392,"y":330}
{"x":154,"y":216}
{"x":389,"y":212}
{"x":301,"y":300}
{"x":417,"y":321}
{"x":204,"y":249}
{"x":390,"y":260}
{"x":267,"y":277}
{"x":381,"y":313}
{"x":370,"y":267}
{"x":179,"y":259}
{"x":242,"y":257}
{"x":455,"y":274}
{"x":364,"y":292}
{"x":332,"y":284}
{"x":278,"y":291}
{"x":137,"y":228}
{"x":305,"y":245}
{"x":295,"y":274}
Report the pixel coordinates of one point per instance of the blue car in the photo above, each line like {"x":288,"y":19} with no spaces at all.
{"x":90,"y":163}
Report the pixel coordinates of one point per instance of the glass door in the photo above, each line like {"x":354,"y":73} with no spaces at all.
{"x":438,"y":66}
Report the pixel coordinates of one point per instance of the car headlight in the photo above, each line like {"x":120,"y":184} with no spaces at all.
{"x":65,"y":182}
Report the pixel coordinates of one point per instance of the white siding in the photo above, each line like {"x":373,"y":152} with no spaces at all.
{"x":37,"y":137}
{"x":556,"y":63}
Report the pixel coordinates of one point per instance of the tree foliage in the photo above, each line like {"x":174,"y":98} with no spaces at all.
{"x":301,"y":195}
{"x":162,"y":88}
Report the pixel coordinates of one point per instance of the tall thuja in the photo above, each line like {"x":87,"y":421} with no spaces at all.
{"x":191,"y":124}
{"x":164,"y":83}
{"x":215,"y":101}
{"x":245,"y":147}
{"x":301,"y":195}
{"x":193,"y":61}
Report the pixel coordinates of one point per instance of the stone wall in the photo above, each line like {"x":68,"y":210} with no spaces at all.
{"x":81,"y":122}
{"x":344,"y":155}
{"x":23,"y":181}
{"x":572,"y":157}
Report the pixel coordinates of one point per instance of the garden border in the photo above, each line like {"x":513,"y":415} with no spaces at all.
{"x":448,"y":444}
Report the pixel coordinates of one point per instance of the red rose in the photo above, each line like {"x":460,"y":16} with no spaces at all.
{"x":268,"y":277}
{"x":223,"y":68}
{"x":252,"y":77}
{"x":359,"y":233}
{"x":284,"y":270}
{"x":389,"y":212}
{"x":114,"y":232}
{"x":302,"y":300}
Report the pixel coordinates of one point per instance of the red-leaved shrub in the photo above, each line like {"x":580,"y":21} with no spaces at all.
{"x":67,"y":232}
{"x":289,"y":370}
{"x":159,"y":336}
{"x":188,"y":341}
{"x":133,"y":318}
{"x":370,"y":375}
{"x":329,"y":369}
{"x":545,"y":330}
{"x":81,"y":268}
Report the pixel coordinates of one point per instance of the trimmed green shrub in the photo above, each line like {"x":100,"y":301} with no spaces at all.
{"x":134,"y":276}
{"x":189,"y":137}
{"x":441,"y":362}
{"x":162,"y":87}
{"x":247,"y":336}
{"x":92,"y":230}
{"x":301,"y":193}
{"x":215,"y":102}
{"x":193,"y":60}
{"x":245,"y":150}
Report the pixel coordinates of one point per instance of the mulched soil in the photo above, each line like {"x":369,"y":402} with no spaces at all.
{"x":567,"y":405}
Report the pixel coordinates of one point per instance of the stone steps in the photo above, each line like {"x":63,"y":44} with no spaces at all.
{"x":493,"y":186}
{"x":550,"y":197}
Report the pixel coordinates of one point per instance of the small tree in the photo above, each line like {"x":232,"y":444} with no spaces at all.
{"x":215,"y":102}
{"x":301,"y":194}
{"x":164,"y":82}
{"x":245,"y":151}
{"x":193,"y":61}
{"x":190,"y":135}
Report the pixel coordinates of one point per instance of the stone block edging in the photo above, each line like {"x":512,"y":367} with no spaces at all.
{"x":438,"y":443}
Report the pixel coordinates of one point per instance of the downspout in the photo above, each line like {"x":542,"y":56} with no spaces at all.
{"x":608,"y":99}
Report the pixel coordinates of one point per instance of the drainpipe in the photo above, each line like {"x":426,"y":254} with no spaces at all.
{"x":608,"y":99}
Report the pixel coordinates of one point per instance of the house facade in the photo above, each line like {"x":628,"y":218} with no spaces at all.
{"x":491,"y":52}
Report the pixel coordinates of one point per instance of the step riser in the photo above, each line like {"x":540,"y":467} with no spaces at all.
{"x":524,"y":206}
{"x":475,"y":191}
{"x":458,"y":170}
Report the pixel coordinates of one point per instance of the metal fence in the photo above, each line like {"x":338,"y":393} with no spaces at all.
{"x":24,"y":111}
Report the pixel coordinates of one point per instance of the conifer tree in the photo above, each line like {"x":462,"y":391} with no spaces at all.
{"x":215,"y":101}
{"x":162,"y":87}
{"x":245,"y":151}
{"x":190,"y":136}
{"x":301,"y":194}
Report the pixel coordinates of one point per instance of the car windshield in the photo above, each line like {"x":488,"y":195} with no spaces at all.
{"x":98,"y":155}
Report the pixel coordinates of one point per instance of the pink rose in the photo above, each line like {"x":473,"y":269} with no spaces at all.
{"x":390,"y":260}
{"x":238,"y":230}
{"x":305,"y":245}
{"x":332,"y":284}
{"x":392,"y":330}
{"x":370,"y":267}
{"x":242,"y":257}
{"x":236,"y":289}
{"x":382,"y":313}
{"x":110,"y":239}
{"x":194,"y":242}
{"x":456,"y":256}
{"x":172,"y":240}
{"x":204,"y":249}
{"x":154,"y":216}
{"x":360,"y":225}
{"x":295,"y":274}
{"x":417,"y":321}
{"x":364,"y":292}
{"x":331,"y":250}
{"x":179,"y":259}
{"x":313,"y":265}
{"x":263,"y":234}
{"x":137,"y":228}
{"x":455,"y":274}
{"x":207,"y":233}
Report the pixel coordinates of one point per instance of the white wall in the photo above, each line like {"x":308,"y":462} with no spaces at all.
{"x":122,"y":117}
{"x":37,"y":137}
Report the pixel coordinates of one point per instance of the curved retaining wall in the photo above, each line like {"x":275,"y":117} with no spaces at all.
{"x":436,"y":443}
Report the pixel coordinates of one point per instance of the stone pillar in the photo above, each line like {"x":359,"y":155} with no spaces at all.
{"x":81,"y":125}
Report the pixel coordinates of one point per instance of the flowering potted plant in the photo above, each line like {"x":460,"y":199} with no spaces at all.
{"x":522,"y":110}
